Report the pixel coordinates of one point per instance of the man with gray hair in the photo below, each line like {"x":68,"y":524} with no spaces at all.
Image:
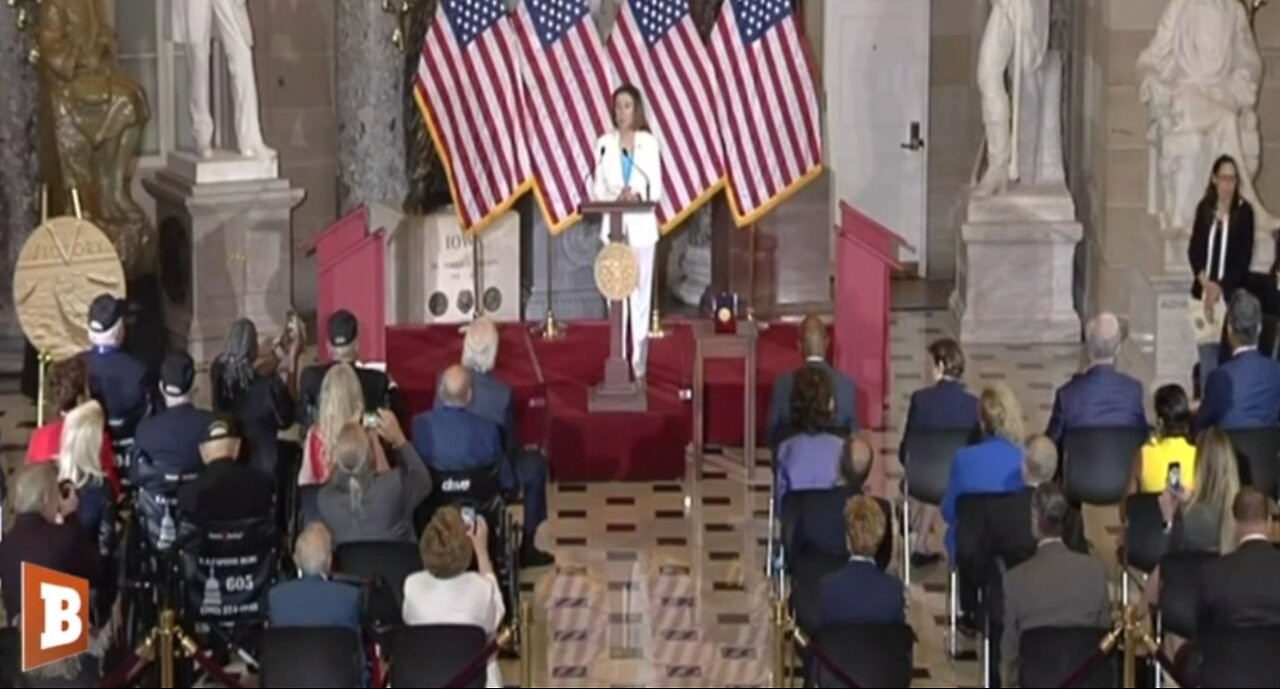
{"x":313,"y":600}
{"x":1245,"y":391}
{"x":380,"y":391}
{"x":1055,"y":588}
{"x":1101,"y":396}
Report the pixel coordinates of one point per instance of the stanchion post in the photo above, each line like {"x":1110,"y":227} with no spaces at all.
{"x":526,"y":644}
{"x":167,"y":649}
{"x":42,"y":375}
{"x":656,"y":331}
{"x":779,"y":645}
{"x":1130,"y":648}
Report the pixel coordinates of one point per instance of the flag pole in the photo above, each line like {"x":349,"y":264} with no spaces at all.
{"x":550,"y":328}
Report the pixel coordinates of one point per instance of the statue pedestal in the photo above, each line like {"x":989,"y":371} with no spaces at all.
{"x":1014,"y":272}
{"x":226,"y":248}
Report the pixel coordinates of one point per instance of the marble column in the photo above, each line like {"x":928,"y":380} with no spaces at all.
{"x":19,"y":149}
{"x":371,"y":152}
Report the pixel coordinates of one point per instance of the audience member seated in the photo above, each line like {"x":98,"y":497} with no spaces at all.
{"x":814,"y":344}
{"x":1169,"y":446}
{"x":251,"y":388}
{"x":1101,"y":397}
{"x":1200,"y":520}
{"x":119,"y":382}
{"x":1239,"y":589}
{"x":451,"y":437}
{"x":313,"y":600}
{"x":68,"y":388}
{"x":819,"y":527}
{"x":1013,"y":539}
{"x":377,"y":387}
{"x":1055,"y":588}
{"x":341,"y":403}
{"x":447,"y":593}
{"x":861,"y":592}
{"x":171,"y":439}
{"x":47,"y":533}
{"x":992,"y":466}
{"x":1243,"y":392}
{"x":494,"y":400}
{"x":227,"y":489}
{"x":377,"y":482}
{"x":80,"y":465}
{"x":810,"y":459}
{"x":944,"y":405}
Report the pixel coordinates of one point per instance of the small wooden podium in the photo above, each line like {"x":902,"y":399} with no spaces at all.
{"x":619,"y":392}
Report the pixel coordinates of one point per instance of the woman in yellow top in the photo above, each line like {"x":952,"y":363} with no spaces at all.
{"x":1170,"y":445}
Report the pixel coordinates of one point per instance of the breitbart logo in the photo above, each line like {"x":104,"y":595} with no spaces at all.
{"x":55,"y":616}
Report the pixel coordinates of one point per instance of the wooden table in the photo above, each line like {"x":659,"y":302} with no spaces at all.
{"x":708,"y":344}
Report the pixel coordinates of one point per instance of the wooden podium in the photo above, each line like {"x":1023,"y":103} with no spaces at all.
{"x":619,"y":392}
{"x":866,"y":256}
{"x":351,"y":274}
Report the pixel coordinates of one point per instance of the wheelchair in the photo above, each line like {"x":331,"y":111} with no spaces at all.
{"x":481,"y":490}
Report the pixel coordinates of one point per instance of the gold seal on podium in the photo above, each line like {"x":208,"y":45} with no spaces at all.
{"x":617,"y":271}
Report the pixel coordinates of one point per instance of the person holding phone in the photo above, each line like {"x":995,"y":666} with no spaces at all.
{"x":1170,"y":445}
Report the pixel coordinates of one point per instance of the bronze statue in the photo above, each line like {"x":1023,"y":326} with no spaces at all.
{"x":99,"y":114}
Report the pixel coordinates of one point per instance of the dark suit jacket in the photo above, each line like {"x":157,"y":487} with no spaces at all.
{"x":122,"y":385}
{"x":861,"y":593}
{"x":1240,"y":590}
{"x":66,"y":548}
{"x":1055,"y":588}
{"x":315,"y":602}
{"x":263,"y":409}
{"x":1242,"y":393}
{"x":947,"y":404}
{"x":1099,"y":397}
{"x":171,"y":439}
{"x":453,"y":439}
{"x":494,"y":400}
{"x":1239,"y":246}
{"x":846,"y":393}
{"x":227,"y":491}
{"x":816,"y":521}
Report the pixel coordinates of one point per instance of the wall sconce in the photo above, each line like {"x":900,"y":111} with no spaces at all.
{"x":403,"y":11}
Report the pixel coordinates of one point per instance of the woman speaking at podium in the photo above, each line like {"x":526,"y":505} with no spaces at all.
{"x":629,"y":168}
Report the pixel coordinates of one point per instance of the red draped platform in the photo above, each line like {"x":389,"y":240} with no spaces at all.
{"x":551,"y":379}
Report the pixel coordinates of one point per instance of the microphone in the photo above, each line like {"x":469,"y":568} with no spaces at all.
{"x":591,"y":175}
{"x":639,"y":169}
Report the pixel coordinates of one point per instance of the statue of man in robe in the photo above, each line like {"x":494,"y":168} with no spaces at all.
{"x":1200,"y":81}
{"x":1016,"y":40}
{"x":194,"y":24}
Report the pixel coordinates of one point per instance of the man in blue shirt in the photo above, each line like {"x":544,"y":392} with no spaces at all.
{"x":451,"y":437}
{"x":1101,"y":397}
{"x":814,"y":342}
{"x":119,"y":382}
{"x":1245,"y":391}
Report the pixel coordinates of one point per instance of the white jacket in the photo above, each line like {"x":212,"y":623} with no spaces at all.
{"x":646,"y":180}
{"x":192,"y":20}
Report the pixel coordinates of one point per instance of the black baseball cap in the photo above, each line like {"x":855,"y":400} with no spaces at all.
{"x":177,"y":374}
{"x":223,"y":428}
{"x":105,"y":312}
{"x":343,"y":328}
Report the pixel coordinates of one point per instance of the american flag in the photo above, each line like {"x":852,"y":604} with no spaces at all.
{"x":468,"y":87}
{"x":768,"y":108}
{"x":567,"y":87}
{"x":656,"y":47}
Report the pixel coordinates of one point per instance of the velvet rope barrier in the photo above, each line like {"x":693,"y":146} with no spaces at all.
{"x":1086,"y":668}
{"x":820,"y":655}
{"x":125,"y":673}
{"x":476,"y":666}
{"x":216,"y":671}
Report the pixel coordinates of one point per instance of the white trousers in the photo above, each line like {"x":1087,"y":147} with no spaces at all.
{"x":230,"y":28}
{"x":638,"y":305}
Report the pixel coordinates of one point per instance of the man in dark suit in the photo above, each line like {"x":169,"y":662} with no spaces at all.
{"x":451,"y":437}
{"x":1055,"y":588}
{"x":817,"y":523}
{"x":170,"y":441}
{"x":227,"y":489}
{"x":523,"y":471}
{"x":1101,"y":396}
{"x":380,"y":391}
{"x":1239,"y":590}
{"x":1245,"y":391}
{"x":313,"y":600}
{"x":119,"y":382}
{"x":813,"y":342}
{"x":861,"y":592}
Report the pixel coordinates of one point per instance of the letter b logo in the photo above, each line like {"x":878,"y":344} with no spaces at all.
{"x":55,"y":616}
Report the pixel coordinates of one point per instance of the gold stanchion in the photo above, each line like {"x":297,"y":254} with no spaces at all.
{"x":1130,"y":647}
{"x":550,"y":328}
{"x":779,"y":644}
{"x":43,"y":360}
{"x":526,"y":644}
{"x":168,"y":633}
{"x":656,"y":331}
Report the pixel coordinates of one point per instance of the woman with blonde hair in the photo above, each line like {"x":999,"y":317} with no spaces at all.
{"x":341,"y":403}
{"x":447,"y":593}
{"x":80,"y":463}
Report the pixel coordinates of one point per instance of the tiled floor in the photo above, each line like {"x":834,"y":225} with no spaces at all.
{"x":664,"y":584}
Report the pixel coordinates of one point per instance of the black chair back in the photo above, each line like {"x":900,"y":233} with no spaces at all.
{"x":1180,"y":591}
{"x":1144,"y":538}
{"x":383,"y":565}
{"x":480,"y":489}
{"x":311,"y":657}
{"x":228,"y":567}
{"x":10,"y":657}
{"x":929,"y":453}
{"x":1049,"y":656}
{"x":829,"y":506}
{"x":434,"y":655}
{"x":872,"y":655}
{"x":1098,"y":463}
{"x":1240,"y":657}
{"x":1269,"y":338}
{"x":1258,"y":452}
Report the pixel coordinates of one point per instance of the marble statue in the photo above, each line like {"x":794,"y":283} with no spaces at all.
{"x":1200,"y":79}
{"x":194,"y":25}
{"x":1016,"y":40}
{"x":99,"y":114}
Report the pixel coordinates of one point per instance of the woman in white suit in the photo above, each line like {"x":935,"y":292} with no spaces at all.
{"x":630,"y":169}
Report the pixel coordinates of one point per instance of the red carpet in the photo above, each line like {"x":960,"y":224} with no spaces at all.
{"x":551,"y":380}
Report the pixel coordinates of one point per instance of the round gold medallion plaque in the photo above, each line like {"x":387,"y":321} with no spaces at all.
{"x":617,"y":271}
{"x":64,"y":265}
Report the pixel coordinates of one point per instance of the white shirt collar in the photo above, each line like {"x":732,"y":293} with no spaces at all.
{"x":862,"y":558}
{"x":1255,"y":537}
{"x":815,"y":359}
{"x":1049,"y":541}
{"x":1241,"y":350}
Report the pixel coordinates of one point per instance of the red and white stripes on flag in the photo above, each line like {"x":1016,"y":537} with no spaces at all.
{"x":656,"y":47}
{"x":768,"y":108}
{"x":567,"y":88}
{"x":469,"y":90}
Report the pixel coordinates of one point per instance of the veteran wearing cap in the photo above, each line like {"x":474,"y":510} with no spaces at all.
{"x":227,"y":489}
{"x":119,"y":382}
{"x":170,"y":441}
{"x":380,"y":392}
